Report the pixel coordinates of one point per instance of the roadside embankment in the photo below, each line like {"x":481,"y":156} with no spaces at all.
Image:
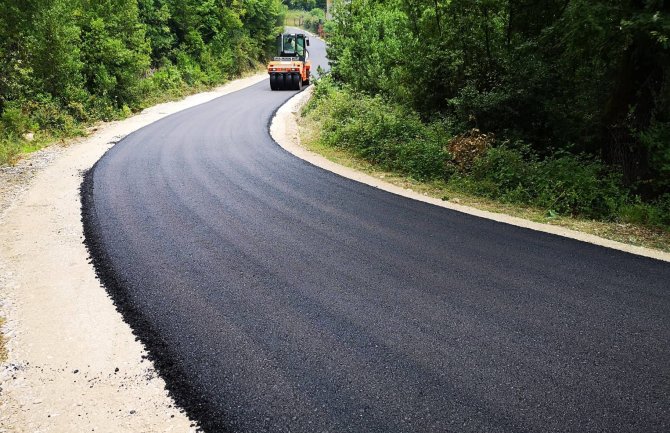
{"x":298,"y":138}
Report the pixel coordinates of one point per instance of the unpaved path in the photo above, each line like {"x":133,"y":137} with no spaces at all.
{"x":73,"y":365}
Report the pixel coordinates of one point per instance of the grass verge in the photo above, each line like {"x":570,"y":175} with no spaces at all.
{"x":311,"y":129}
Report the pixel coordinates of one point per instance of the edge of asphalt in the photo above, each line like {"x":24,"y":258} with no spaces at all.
{"x":284,"y":131}
{"x":74,"y":364}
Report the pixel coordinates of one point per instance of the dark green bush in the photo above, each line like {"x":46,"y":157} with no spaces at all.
{"x":560,"y":183}
{"x":656,"y":213}
{"x":49,"y":115}
{"x":500,"y":172}
{"x":381,"y":133}
{"x":574,"y":185}
{"x":14,"y":120}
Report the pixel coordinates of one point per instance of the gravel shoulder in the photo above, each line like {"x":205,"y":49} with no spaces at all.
{"x":73,"y":364}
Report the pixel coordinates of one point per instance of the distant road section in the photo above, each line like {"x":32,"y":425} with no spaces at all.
{"x":278,"y":297}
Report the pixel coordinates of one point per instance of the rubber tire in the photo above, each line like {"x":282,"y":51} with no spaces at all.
{"x":273,"y":81}
{"x":297,"y":82}
{"x":280,"y":81}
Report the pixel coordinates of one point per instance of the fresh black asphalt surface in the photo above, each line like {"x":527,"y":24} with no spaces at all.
{"x":277,"y":297}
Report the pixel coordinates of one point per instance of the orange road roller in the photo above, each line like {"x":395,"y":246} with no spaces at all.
{"x":291,"y":68}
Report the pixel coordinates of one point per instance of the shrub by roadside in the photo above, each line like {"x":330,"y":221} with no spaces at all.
{"x":383,"y":134}
{"x":397,"y":139}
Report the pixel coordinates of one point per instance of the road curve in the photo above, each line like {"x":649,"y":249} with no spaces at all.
{"x":277,"y":297}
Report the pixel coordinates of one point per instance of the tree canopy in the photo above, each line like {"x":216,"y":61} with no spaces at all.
{"x":67,"y":61}
{"x":584,"y":76}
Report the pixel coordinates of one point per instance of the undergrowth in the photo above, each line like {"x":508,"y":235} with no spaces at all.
{"x":309,"y":20}
{"x":559,"y":183}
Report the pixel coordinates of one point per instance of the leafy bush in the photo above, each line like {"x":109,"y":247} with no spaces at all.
{"x":560,"y":183}
{"x":166,"y":78}
{"x":49,"y":116}
{"x":656,"y":213}
{"x":569,"y":184}
{"x":14,"y":120}
{"x":384,"y":134}
{"x":10,"y":147}
{"x":500,"y":173}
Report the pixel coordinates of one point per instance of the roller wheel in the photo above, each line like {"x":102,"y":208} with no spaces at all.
{"x":273,"y":81}
{"x":297,"y":82}
{"x":280,"y":81}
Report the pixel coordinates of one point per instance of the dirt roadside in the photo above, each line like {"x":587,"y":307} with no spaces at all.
{"x":73,"y":364}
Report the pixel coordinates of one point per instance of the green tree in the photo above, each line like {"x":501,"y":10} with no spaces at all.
{"x":15,"y":73}
{"x":53,"y":51}
{"x":585,"y":76}
{"x":156,"y":15}
{"x":114,"y":50}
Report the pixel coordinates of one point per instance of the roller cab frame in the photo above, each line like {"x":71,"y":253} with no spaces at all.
{"x":290,"y":70}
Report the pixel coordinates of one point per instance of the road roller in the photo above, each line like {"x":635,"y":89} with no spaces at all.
{"x":291,"y":68}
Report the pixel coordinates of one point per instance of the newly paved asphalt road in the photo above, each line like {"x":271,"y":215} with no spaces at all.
{"x":277,"y":297}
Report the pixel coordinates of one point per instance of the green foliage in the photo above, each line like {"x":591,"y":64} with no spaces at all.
{"x":305,"y":5}
{"x":581,"y":76}
{"x":63,"y":62}
{"x":114,"y":51}
{"x":656,"y":141}
{"x":396,"y":138}
{"x":47,"y":114}
{"x":388,"y":135}
{"x":155,"y":14}
{"x":560,"y":183}
{"x":14,"y":121}
{"x":656,"y":213}
{"x":10,"y":148}
{"x":54,"y":54}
